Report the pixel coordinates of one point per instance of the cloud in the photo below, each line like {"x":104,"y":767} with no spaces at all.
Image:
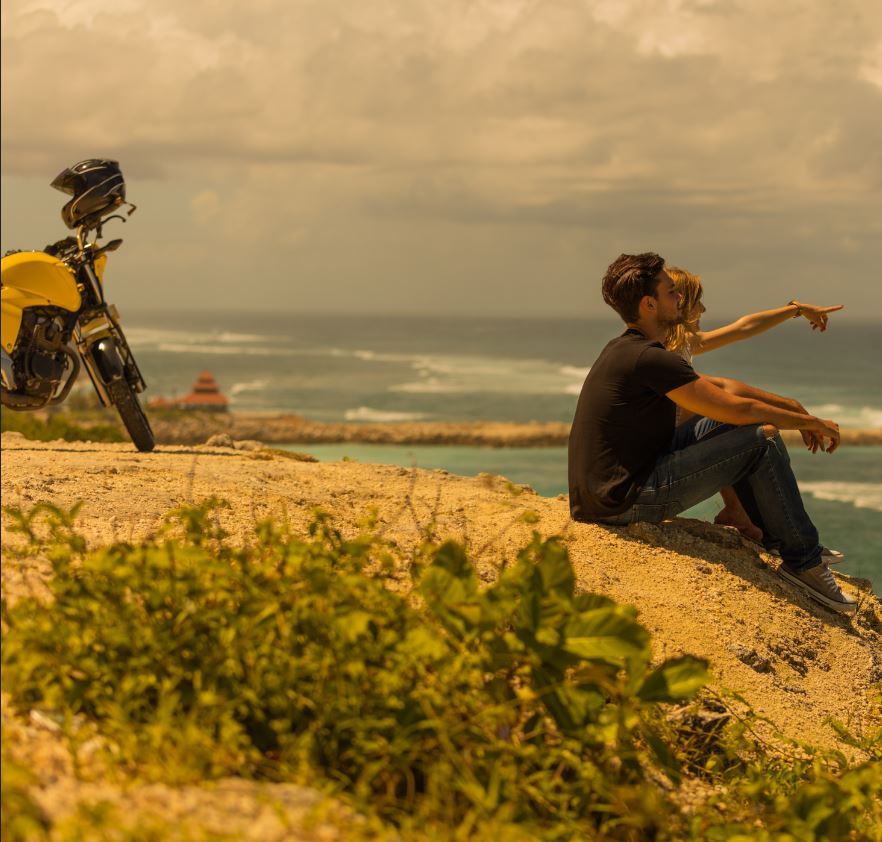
{"x":417,"y":83}
{"x":206,"y":206}
{"x":637,"y":118}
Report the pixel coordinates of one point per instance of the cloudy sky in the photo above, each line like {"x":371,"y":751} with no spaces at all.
{"x":468,"y":156}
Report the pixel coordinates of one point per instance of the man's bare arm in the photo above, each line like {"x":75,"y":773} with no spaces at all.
{"x":743,"y":390}
{"x":813,"y":440}
{"x":704,"y":397}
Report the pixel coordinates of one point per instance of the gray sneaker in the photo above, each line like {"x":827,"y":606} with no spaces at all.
{"x":819,"y":584}
{"x":831,"y":556}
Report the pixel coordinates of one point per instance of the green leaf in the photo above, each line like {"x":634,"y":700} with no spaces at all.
{"x":842,"y":732}
{"x":674,"y":680}
{"x":450,"y":587}
{"x":548,"y":637}
{"x":605,"y":634}
{"x":451,"y":558}
{"x":354,"y":624}
{"x":499,"y":602}
{"x":529,"y":609}
{"x":423,"y":644}
{"x":568,"y":706}
{"x":555,"y":569}
{"x":553,"y":614}
{"x":589,"y":601}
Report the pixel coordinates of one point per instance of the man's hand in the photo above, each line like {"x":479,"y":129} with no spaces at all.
{"x":817,"y":316}
{"x":815,"y":435}
{"x":813,"y":441}
{"x":814,"y":438}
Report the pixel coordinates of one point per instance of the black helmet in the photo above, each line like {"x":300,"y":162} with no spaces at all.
{"x":97,"y":186}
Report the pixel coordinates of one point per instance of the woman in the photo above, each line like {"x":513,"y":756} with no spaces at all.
{"x":688,"y":340}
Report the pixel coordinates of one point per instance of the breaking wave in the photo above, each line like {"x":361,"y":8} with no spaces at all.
{"x":249,"y":386}
{"x":849,"y":416}
{"x":861,"y":495}
{"x":366,"y":413}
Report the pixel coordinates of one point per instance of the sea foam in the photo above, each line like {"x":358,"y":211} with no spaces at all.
{"x":451,"y":374}
{"x":249,"y":386}
{"x":849,"y":416}
{"x":379,"y":416}
{"x":861,"y":495}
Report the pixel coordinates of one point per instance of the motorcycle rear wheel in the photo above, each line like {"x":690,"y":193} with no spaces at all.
{"x":124,"y":398}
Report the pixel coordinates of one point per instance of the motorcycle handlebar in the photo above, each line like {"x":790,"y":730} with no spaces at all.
{"x":69,"y":247}
{"x":113,"y":245}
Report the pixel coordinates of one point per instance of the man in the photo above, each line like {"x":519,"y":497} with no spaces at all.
{"x":626,"y":465}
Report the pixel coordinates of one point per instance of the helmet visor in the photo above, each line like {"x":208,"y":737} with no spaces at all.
{"x":68,"y":181}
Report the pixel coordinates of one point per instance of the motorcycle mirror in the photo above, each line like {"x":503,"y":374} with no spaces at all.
{"x":113,"y":245}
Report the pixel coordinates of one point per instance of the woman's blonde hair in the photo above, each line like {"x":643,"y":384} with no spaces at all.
{"x":689,"y":286}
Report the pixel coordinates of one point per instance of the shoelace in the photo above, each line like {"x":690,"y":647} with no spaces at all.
{"x":829,"y":581}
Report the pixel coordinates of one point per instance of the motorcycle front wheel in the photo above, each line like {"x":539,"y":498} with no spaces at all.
{"x":124,"y":398}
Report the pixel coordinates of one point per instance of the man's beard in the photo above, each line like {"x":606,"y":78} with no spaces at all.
{"x":668,"y":323}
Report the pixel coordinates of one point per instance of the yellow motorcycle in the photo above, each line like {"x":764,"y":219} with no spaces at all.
{"x":55,"y":319}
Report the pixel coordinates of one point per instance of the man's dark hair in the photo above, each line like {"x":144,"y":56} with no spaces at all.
{"x":628,"y":279}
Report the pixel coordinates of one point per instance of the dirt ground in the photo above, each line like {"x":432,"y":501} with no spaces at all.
{"x":699,"y":589}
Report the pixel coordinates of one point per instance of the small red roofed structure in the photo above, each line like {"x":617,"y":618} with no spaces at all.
{"x":204,"y":395}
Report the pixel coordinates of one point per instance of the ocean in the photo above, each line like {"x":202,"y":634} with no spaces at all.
{"x":380,"y":368}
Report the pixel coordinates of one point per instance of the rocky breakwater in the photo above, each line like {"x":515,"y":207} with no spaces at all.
{"x":196,"y":427}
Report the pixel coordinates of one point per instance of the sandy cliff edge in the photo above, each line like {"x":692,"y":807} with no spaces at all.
{"x":699,"y":589}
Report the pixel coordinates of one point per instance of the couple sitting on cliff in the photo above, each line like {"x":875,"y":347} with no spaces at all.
{"x":652,"y":437}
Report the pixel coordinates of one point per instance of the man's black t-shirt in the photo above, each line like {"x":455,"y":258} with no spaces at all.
{"x":623,"y":423}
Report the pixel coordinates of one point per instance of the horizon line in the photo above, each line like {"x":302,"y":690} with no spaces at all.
{"x":454,"y":314}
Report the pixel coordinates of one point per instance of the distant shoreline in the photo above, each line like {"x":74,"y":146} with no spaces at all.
{"x":195,"y":427}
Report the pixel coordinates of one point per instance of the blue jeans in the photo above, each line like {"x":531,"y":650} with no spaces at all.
{"x":757,"y":467}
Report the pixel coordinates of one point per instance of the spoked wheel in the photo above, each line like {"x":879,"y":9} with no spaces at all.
{"x":125,"y":399}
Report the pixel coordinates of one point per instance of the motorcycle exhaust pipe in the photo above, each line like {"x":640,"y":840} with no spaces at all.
{"x":14,"y":401}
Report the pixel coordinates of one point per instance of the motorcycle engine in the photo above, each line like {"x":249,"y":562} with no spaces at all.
{"x":43,"y":366}
{"x":39,"y":363}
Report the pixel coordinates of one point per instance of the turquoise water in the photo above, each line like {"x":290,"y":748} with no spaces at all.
{"x":841,"y":491}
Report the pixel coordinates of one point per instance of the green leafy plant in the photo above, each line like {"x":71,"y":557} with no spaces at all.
{"x":524,"y":707}
{"x":20,"y":817}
